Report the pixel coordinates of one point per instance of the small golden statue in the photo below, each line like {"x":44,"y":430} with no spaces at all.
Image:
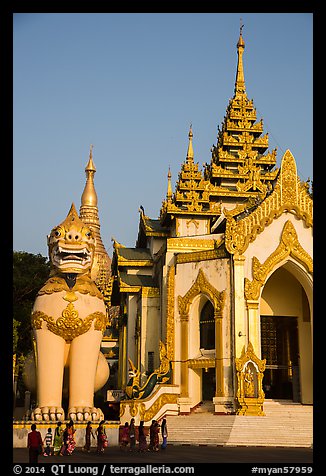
{"x":250,"y":373}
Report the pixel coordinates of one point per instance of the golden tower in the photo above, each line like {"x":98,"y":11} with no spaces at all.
{"x":101,"y":270}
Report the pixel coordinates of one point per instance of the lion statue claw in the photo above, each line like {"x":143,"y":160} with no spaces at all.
{"x":68,"y":320}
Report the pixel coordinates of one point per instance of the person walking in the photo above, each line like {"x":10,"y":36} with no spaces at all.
{"x":124,"y":437}
{"x":71,"y":443}
{"x":151,"y":436}
{"x":88,"y":434}
{"x":142,"y":438}
{"x":48,"y":443}
{"x":132,"y":435}
{"x":57,"y":439}
{"x":34,"y":444}
{"x":63,"y":450}
{"x":156,"y":431}
{"x":102,"y":441}
{"x":164,"y":433}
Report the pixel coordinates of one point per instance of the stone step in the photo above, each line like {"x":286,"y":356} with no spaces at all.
{"x":285,"y":424}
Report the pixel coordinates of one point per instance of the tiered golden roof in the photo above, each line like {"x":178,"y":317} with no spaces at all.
{"x":240,"y":167}
{"x":192,"y":191}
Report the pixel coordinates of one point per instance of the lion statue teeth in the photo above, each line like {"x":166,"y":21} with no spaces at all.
{"x":68,"y":320}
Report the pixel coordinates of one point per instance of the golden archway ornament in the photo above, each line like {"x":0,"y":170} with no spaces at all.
{"x":202,"y":286}
{"x":250,"y":372}
{"x":289,"y":246}
{"x":289,"y":195}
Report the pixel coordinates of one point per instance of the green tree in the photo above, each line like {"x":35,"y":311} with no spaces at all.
{"x":29,"y":274}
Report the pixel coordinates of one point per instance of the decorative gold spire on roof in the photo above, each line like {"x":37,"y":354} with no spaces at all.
{"x":169,"y":192}
{"x":89,"y":196}
{"x":240,"y":87}
{"x":190,"y":151}
{"x":101,"y":270}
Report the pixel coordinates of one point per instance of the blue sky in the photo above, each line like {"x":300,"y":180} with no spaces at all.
{"x":131,"y":84}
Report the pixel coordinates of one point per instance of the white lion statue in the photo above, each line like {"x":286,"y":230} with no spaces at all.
{"x":68,"y":320}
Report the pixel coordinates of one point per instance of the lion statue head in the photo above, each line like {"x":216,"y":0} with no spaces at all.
{"x":71,"y":245}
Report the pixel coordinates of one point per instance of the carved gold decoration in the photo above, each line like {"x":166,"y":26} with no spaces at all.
{"x":253,"y":177}
{"x":289,"y":246}
{"x":190,"y":243}
{"x":170,"y":313}
{"x":250,"y":372}
{"x":133,"y":408}
{"x":84,"y":285}
{"x":134,"y":390}
{"x":122,"y":409}
{"x":197,"y":256}
{"x":153,"y":410}
{"x":137,"y":407}
{"x":206,"y":363}
{"x":150,"y":292}
{"x":289,"y":195}
{"x":201,"y":285}
{"x":69,"y":325}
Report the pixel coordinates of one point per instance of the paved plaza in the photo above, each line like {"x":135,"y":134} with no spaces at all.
{"x":180,"y":454}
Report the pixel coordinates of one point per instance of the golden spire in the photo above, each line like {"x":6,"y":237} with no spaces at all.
{"x":169,"y":192}
{"x":190,"y":151}
{"x":88,"y":213}
{"x":240,"y":87}
{"x":89,"y":196}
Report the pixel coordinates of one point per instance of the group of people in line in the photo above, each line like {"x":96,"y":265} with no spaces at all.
{"x":129,"y":437}
{"x":63,"y":441}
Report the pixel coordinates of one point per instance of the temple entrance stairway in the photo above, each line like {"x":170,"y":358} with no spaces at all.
{"x":285,"y":424}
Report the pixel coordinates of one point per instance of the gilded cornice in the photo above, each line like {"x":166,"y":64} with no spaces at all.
{"x":133,"y":263}
{"x":289,"y":195}
{"x":190,"y":207}
{"x":147,"y":291}
{"x":150,"y":292}
{"x":197,"y":256}
{"x":126,"y":288}
{"x":289,"y":246}
{"x":201,"y":363}
{"x":149,"y":229}
{"x":201,"y":285}
{"x":192,"y":244}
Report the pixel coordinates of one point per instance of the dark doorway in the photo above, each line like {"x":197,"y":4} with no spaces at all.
{"x":279,"y":346}
{"x":207,"y":327}
{"x":208,"y":384}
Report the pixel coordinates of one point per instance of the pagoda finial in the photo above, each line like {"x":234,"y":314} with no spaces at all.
{"x":90,"y":165}
{"x":89,"y":196}
{"x":190,"y":151}
{"x":241,"y":26}
{"x":240,"y":87}
{"x":169,"y":192}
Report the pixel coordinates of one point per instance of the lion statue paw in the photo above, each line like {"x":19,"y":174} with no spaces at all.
{"x":48,"y":414}
{"x":85,"y":414}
